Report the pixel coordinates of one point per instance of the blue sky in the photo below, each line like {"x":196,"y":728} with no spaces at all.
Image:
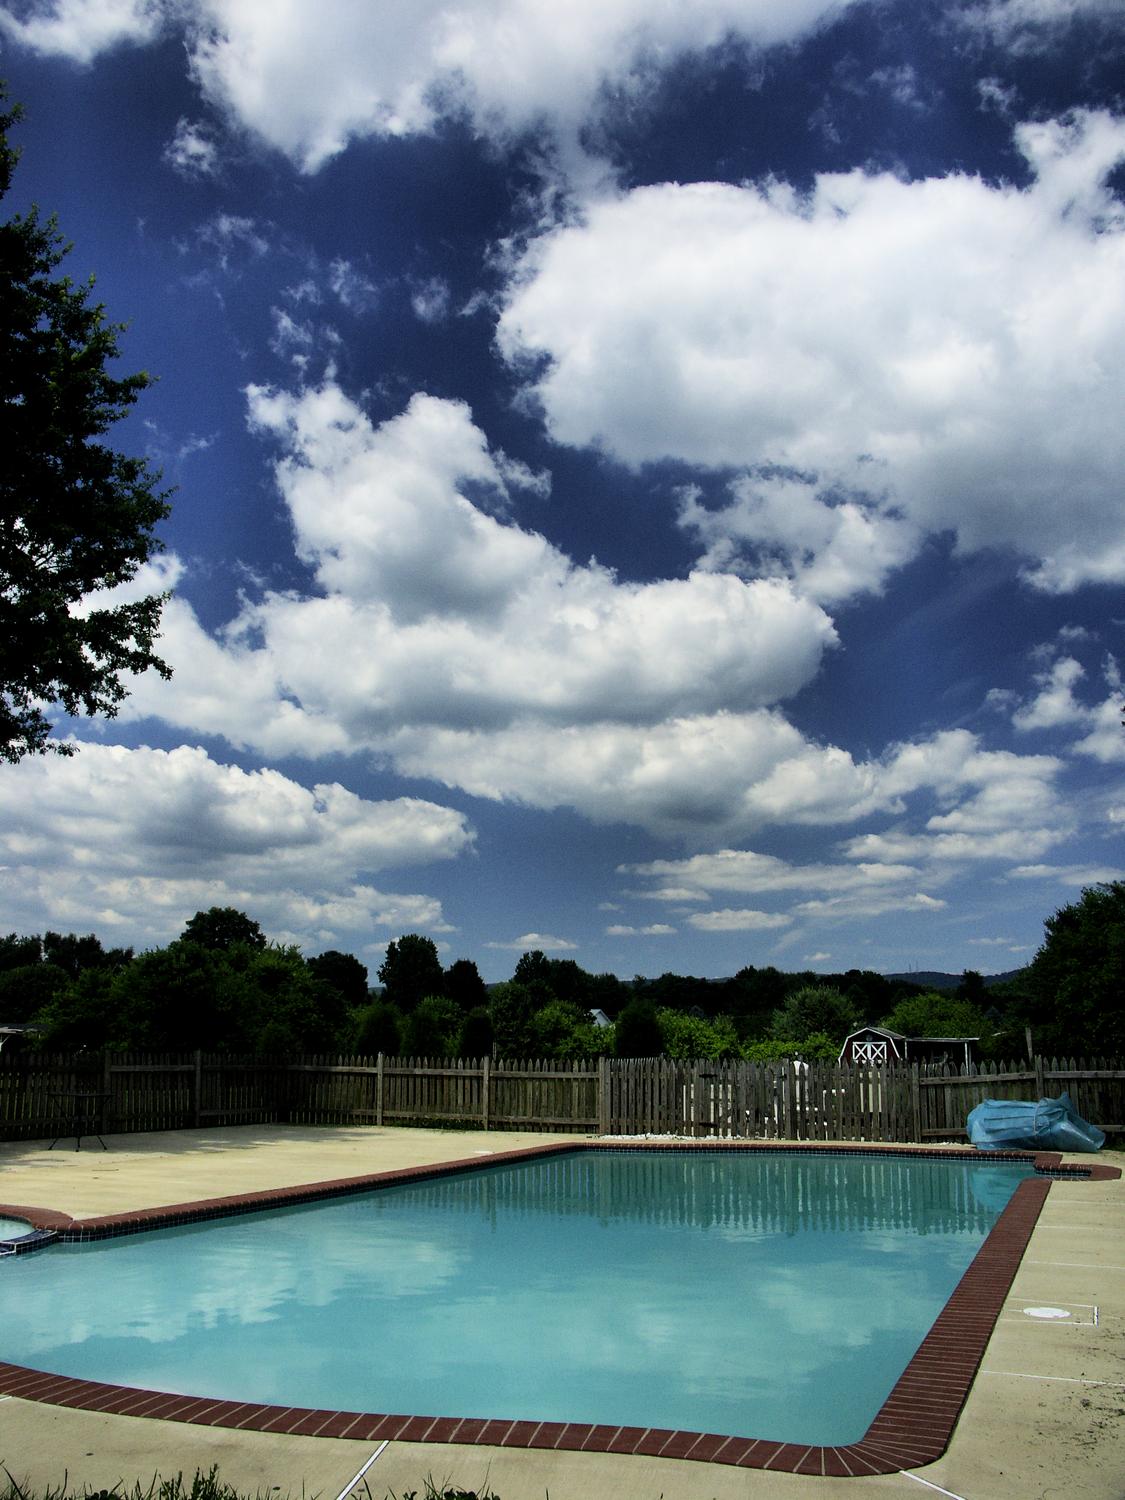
{"x":648,"y":476}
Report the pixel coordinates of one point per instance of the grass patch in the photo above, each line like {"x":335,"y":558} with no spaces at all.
{"x":210,"y":1487}
{"x":202,"y":1487}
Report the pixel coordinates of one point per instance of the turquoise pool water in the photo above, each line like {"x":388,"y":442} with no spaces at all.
{"x":760,"y":1294}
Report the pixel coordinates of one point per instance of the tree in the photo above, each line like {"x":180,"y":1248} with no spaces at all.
{"x":937,"y":1013}
{"x":814,"y":1008}
{"x":75,"y":954}
{"x":284,"y":1008}
{"x":637,"y":1033}
{"x":169,"y":999}
{"x":344,"y":973}
{"x":1077,"y":979}
{"x":25,"y":991}
{"x":464,"y":986}
{"x":18,"y":952}
{"x":223,"y":927}
{"x":510,"y":1009}
{"x":532,"y":966}
{"x":476,"y":1037}
{"x":76,"y":517}
{"x":411,"y":971}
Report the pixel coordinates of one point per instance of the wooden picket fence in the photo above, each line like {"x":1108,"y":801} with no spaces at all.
{"x":44,"y":1096}
{"x":823,"y":1102}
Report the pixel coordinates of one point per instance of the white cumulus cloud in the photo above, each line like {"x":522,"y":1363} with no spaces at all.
{"x":134,"y":841}
{"x":743,"y":919}
{"x":309,"y":79}
{"x":470,"y":650}
{"x":81,"y":29}
{"x":924,"y":356}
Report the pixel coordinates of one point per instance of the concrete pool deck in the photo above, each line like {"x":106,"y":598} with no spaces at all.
{"x":1046,"y":1414}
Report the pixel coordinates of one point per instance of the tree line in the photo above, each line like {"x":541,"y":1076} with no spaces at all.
{"x":223,"y":986}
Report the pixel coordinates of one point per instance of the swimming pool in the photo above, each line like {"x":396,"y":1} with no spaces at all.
{"x":678,"y":1292}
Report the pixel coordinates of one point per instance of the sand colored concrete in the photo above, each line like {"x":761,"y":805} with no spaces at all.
{"x":151,"y":1170}
{"x":1045,"y":1418}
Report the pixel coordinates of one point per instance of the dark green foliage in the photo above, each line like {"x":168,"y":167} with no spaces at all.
{"x":223,"y":927}
{"x":476,"y":1037}
{"x":937,"y":1013}
{"x":84,"y":1014}
{"x":464,"y":986}
{"x":74,"y":954}
{"x":814,"y":1008}
{"x":377,"y":1028}
{"x":569,"y":982}
{"x":76,"y":517}
{"x":870,"y":994}
{"x":511,"y":1007}
{"x":17,"y":952}
{"x":25,"y":991}
{"x":410,"y":971}
{"x":637,"y":1033}
{"x":677,"y":992}
{"x":557,"y":1029}
{"x":972,"y":988}
{"x":283,"y":1007}
{"x":1076,"y":981}
{"x":343,"y":973}
{"x":607,"y":992}
{"x":432,"y":1028}
{"x":170,"y":999}
{"x":532,"y":966}
{"x":751,"y":998}
{"x":685,"y":1036}
{"x":238,"y":999}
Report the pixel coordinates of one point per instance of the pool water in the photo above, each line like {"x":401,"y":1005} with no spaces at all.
{"x":768,"y":1294}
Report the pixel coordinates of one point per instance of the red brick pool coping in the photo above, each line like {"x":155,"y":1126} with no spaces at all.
{"x":912,"y":1428}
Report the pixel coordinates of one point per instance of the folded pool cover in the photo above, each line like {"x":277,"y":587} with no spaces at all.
{"x":1050,"y":1125}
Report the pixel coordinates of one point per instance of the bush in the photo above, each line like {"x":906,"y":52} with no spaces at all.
{"x":432,"y":1027}
{"x":685,"y":1036}
{"x":377,"y":1028}
{"x":556,"y":1030}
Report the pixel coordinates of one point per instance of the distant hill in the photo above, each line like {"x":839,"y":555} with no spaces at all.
{"x":934,"y":979}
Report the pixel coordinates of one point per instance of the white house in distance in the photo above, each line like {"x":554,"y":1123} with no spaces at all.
{"x":876,"y":1047}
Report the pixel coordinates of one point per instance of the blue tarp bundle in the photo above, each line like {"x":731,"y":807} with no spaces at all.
{"x":1050,"y":1125}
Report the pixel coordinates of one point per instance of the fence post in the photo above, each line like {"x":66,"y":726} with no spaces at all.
{"x":486,"y":1063}
{"x":379,"y":1089}
{"x":791,"y":1101}
{"x":1039,"y":1089}
{"x":197,"y":1094}
{"x":603,"y":1095}
{"x":915,"y":1103}
{"x":106,"y":1077}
